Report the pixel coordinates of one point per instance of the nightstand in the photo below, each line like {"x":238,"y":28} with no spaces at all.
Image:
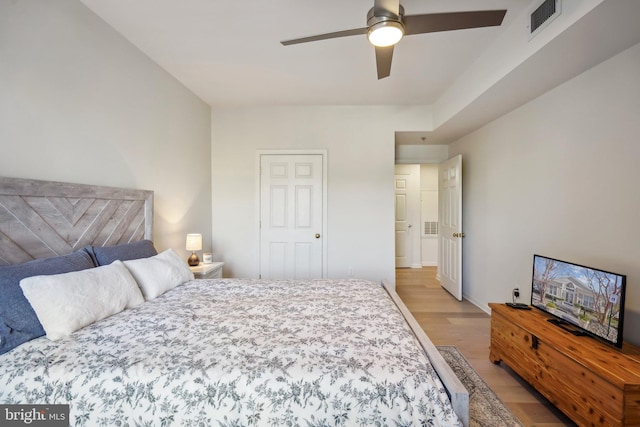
{"x":208,"y":271}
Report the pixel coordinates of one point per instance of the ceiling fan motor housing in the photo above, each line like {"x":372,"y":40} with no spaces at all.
{"x":377,"y":15}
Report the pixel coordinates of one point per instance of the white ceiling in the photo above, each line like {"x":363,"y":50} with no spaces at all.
{"x":229,"y":52}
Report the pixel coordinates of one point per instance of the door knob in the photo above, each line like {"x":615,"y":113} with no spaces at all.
{"x":317,"y":235}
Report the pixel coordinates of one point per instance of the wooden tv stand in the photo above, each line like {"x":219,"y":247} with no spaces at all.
{"x":593,"y":383}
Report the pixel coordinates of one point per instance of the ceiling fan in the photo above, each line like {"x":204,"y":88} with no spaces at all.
{"x":387,"y":24}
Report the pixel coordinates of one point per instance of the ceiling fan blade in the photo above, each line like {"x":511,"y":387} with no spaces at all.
{"x":392,"y":6}
{"x":383,"y":61}
{"x":434,"y":22}
{"x":345,"y":33}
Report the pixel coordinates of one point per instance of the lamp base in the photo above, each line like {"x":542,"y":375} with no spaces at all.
{"x":193,"y":260}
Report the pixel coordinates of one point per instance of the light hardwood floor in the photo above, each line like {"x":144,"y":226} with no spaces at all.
{"x":448,"y":321}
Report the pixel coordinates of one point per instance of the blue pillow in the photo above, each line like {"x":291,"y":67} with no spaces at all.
{"x":105,"y":255}
{"x":18,"y":321}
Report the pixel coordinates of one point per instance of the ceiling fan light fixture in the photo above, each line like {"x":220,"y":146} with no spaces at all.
{"x":385,"y":33}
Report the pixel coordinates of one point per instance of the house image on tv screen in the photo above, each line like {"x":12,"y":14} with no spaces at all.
{"x":585,"y":297}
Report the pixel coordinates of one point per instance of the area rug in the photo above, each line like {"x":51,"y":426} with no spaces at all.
{"x":485,"y":409}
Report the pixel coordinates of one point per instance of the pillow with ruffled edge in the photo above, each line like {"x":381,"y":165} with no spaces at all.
{"x":67,"y":302}
{"x":18,"y":321}
{"x":158,"y":274}
{"x":105,"y":255}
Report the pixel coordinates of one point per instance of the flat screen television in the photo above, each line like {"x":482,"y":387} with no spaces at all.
{"x":582,"y":300}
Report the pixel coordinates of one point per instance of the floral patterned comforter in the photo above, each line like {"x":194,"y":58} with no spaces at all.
{"x":233,"y":352}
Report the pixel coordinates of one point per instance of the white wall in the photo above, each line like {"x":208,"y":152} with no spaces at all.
{"x":423,"y":153}
{"x":557,"y":177}
{"x":360,"y":146}
{"x":81,"y":104}
{"x":429,"y":212}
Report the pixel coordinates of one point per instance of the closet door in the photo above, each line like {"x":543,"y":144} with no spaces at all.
{"x":291,"y":210}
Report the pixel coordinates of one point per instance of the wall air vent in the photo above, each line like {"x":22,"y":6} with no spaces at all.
{"x":543,"y":13}
{"x":430,"y":228}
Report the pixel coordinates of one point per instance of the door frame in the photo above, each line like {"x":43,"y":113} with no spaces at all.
{"x":257,"y":214}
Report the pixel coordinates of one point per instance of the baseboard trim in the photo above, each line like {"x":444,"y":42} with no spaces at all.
{"x":481,"y":306}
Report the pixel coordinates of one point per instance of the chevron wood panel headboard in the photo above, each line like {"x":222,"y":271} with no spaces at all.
{"x":41,"y":219}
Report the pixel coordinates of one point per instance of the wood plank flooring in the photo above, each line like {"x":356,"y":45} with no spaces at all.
{"x":448,"y":321}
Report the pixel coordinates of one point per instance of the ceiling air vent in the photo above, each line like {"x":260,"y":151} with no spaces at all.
{"x":542,"y":14}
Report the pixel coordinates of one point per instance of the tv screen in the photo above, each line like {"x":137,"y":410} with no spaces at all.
{"x":583,"y":300}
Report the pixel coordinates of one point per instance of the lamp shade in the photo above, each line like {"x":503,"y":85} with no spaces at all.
{"x":194,"y":242}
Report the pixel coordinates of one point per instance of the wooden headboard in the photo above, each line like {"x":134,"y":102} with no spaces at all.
{"x":41,"y":219}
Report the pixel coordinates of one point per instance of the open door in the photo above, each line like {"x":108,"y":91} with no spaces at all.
{"x":450,"y":217}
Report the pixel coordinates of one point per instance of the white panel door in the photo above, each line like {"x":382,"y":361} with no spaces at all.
{"x":450,"y":217}
{"x":291,"y":234}
{"x":403,"y":240}
{"x":407,"y":216}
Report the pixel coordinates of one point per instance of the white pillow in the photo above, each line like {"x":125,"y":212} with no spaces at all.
{"x":67,"y":302}
{"x":157,"y":274}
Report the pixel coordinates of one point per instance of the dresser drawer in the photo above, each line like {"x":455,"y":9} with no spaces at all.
{"x":208,"y":271}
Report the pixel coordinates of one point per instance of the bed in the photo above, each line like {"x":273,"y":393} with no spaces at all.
{"x":209,"y":352}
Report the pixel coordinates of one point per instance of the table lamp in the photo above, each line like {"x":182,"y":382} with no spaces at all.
{"x":194,"y":243}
